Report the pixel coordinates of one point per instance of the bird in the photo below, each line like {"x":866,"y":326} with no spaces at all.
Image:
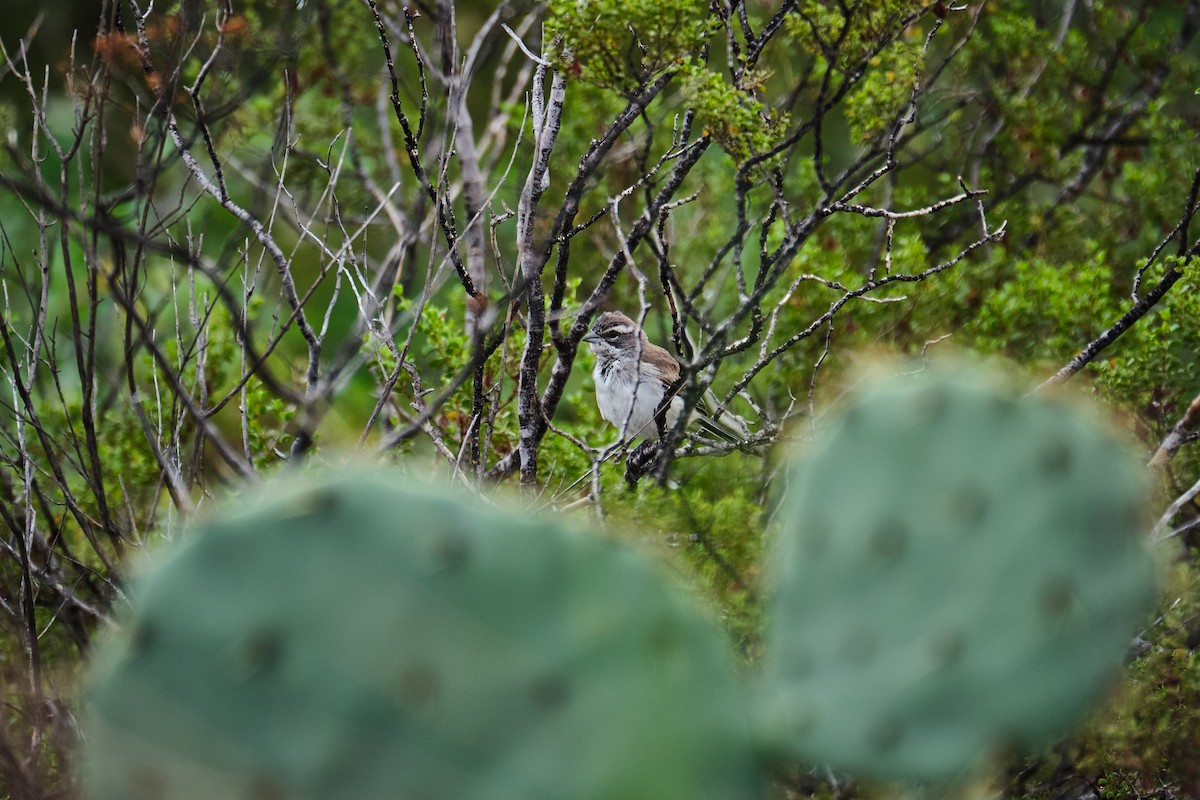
{"x":632,"y":377}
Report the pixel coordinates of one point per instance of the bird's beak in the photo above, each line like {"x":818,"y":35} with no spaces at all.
{"x":591,"y":336}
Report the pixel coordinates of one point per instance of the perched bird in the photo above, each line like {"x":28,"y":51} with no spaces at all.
{"x":633,"y":376}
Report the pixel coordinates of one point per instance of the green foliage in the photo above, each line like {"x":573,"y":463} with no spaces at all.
{"x":884,"y":92}
{"x":1041,"y":312}
{"x":443,"y":342}
{"x":1146,"y":373}
{"x":267,"y":429}
{"x":353,"y":638}
{"x":1038,"y":93}
{"x":736,"y":119}
{"x":854,"y":30}
{"x":440,"y":347}
{"x":1046,"y":307}
{"x":1148,"y":738}
{"x":622,"y":44}
{"x":958,"y":574}
{"x":131,"y":478}
{"x":712,"y":526}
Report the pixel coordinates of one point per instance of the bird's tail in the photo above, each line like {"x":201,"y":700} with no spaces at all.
{"x":721,"y":423}
{"x":718,"y":423}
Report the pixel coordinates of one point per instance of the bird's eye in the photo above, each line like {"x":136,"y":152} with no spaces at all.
{"x":611,"y":335}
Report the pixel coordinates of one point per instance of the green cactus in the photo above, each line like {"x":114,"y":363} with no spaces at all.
{"x":959,"y":574}
{"x":357,"y":640}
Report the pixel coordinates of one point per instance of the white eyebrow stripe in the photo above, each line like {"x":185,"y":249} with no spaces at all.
{"x":621,"y":328}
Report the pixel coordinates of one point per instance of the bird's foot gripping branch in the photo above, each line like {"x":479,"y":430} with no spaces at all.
{"x":357,"y":637}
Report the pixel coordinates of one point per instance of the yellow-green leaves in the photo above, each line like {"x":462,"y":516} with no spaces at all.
{"x":852,"y":31}
{"x":733,"y":116}
{"x":620,"y":44}
{"x":881,"y":95}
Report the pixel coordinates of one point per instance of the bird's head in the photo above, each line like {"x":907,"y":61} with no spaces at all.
{"x":612,"y":334}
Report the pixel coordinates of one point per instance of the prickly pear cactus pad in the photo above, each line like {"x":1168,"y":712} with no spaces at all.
{"x":958,"y":573}
{"x":355,"y":639}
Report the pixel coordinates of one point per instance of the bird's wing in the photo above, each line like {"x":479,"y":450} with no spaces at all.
{"x":661,"y":361}
{"x":727,"y":426}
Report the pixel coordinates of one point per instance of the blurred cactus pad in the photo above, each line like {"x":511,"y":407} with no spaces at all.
{"x":359,"y":637}
{"x":959,"y":572}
